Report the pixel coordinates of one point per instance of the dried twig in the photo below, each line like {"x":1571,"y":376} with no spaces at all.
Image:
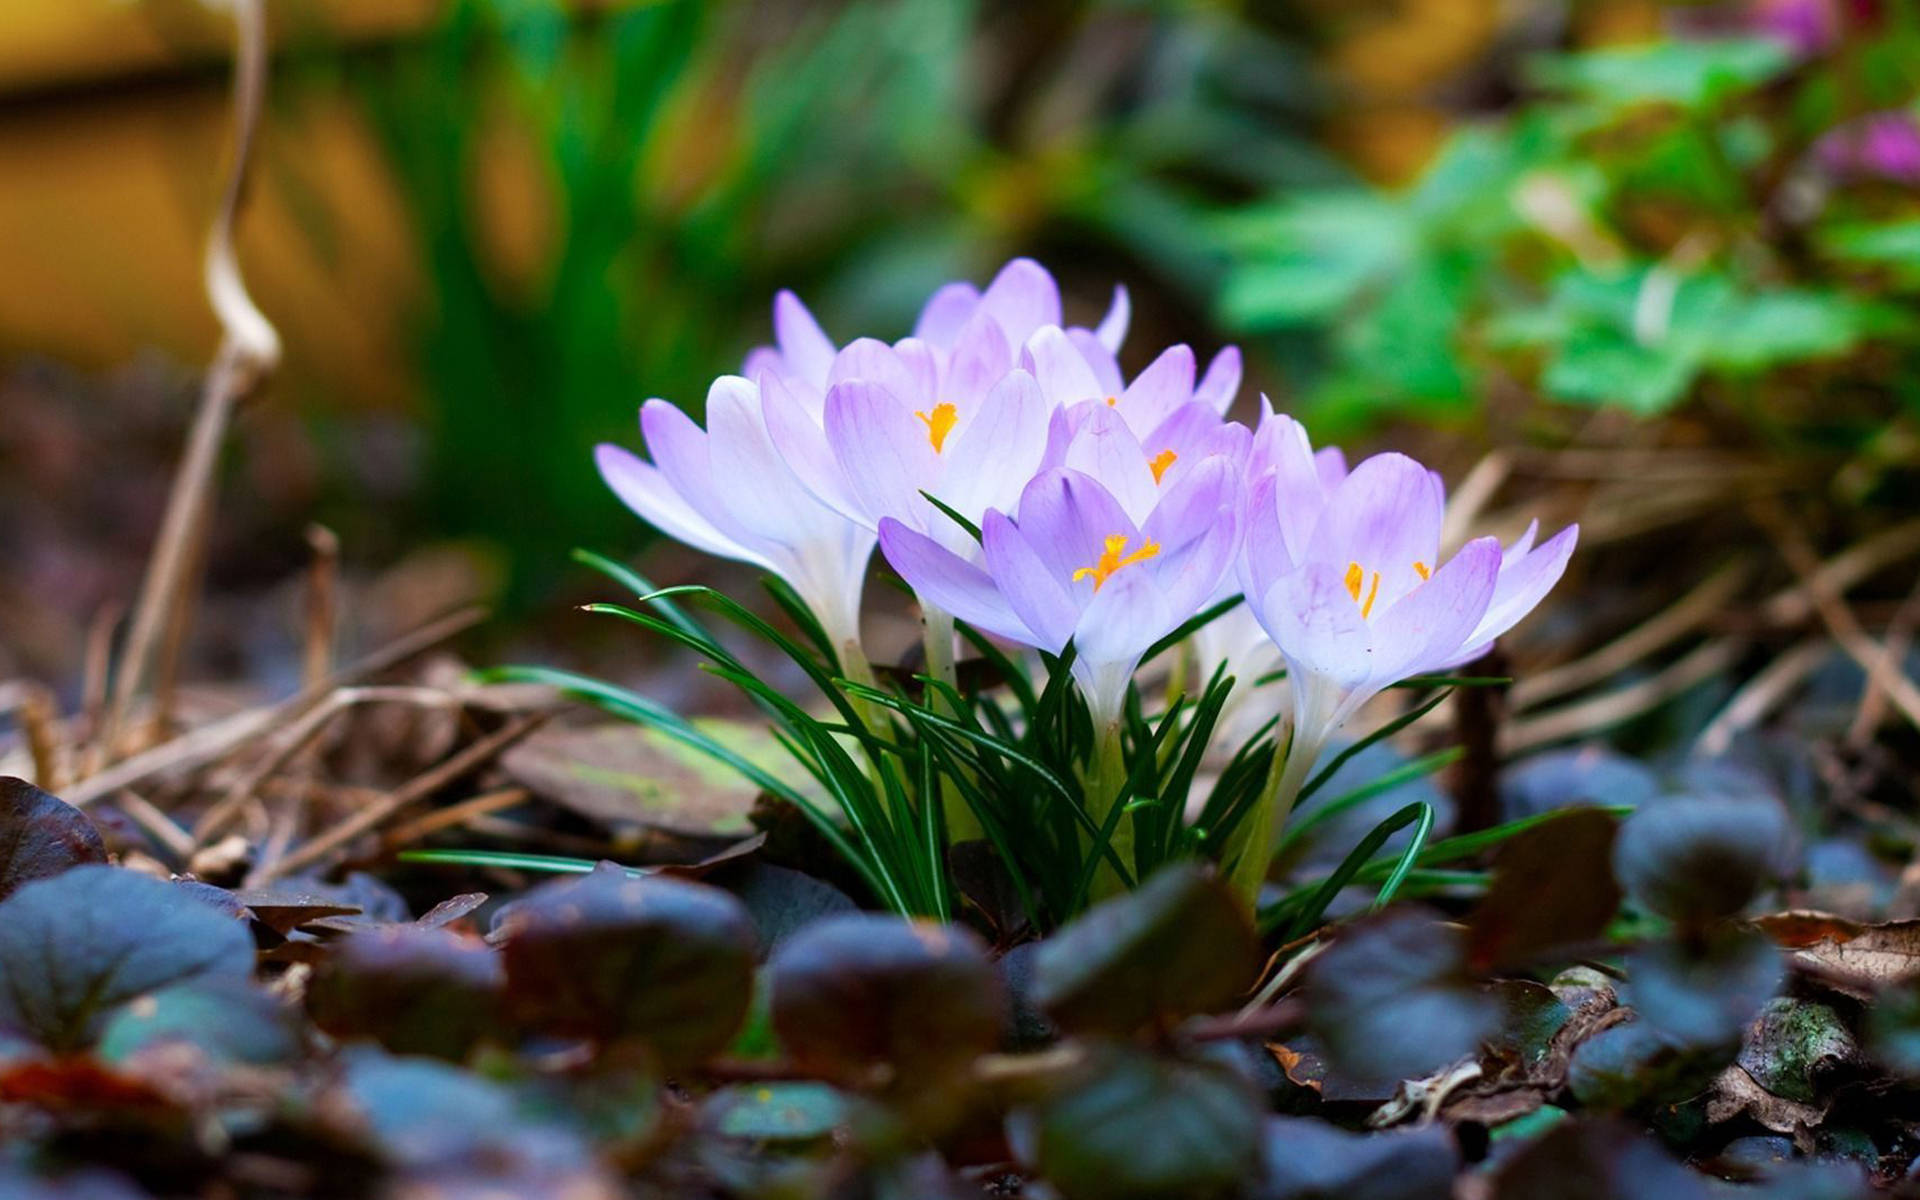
{"x":1672,"y":623}
{"x":322,"y":603}
{"x":1881,"y":667}
{"x":421,"y":786}
{"x":1617,"y":707}
{"x":454,"y":815}
{"x":249,"y":351}
{"x":1896,"y":644}
{"x":1759,"y":695}
{"x":299,"y":736}
{"x":197,"y":747}
{"x":164,"y":828}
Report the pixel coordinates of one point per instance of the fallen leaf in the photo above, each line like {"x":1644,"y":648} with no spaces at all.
{"x":1852,"y":957}
{"x":627,"y":774}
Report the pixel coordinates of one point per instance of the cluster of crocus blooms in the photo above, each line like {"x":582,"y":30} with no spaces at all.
{"x":1109,"y":512}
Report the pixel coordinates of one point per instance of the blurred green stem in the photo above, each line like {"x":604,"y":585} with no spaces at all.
{"x":937,"y":634}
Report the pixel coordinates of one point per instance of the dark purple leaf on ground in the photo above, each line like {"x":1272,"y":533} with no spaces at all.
{"x":284,"y":912}
{"x":1699,"y":858}
{"x":865,"y":998}
{"x":428,"y":1115}
{"x":781,"y":901}
{"x":229,"y":1020}
{"x":1308,"y":1159}
{"x":78,"y":945}
{"x":413,"y":990}
{"x":1181,"y":944}
{"x":1595,"y":1159}
{"x":1552,"y":886}
{"x":1566,"y":778}
{"x":41,"y":835}
{"x":85,"y":1184}
{"x":1629,"y":1066}
{"x":1389,"y":999}
{"x":613,"y":956}
{"x":1702,"y":991}
{"x":1129,"y":1125}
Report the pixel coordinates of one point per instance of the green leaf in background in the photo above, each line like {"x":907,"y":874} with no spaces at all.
{"x":1690,"y":74}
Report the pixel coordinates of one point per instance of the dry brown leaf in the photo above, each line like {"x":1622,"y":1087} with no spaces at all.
{"x":624,"y":774}
{"x":1735,"y":1093}
{"x":1852,"y":957}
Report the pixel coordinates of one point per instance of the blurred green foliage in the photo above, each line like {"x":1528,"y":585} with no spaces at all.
{"x":701,"y":156}
{"x":1655,"y":223}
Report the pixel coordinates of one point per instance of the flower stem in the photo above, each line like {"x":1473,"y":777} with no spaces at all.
{"x":1105,"y":781}
{"x":1260,"y":832}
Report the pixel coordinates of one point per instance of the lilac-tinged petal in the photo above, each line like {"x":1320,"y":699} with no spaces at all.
{"x":802,"y":442}
{"x":1331,"y":464}
{"x":1067,"y":518}
{"x":1386,"y":516}
{"x":1190,"y":574}
{"x":1221,"y":383}
{"x":1035,"y":592}
{"x":751,"y":480}
{"x":1022,"y":297}
{"x":1310,"y":615}
{"x":1166,"y":384}
{"x":991,"y":458}
{"x":1060,"y":369}
{"x":946,"y":311}
{"x":922,"y":361}
{"x":1524,"y":582}
{"x":1266,"y":555}
{"x":873,"y":361}
{"x":981,"y":355}
{"x":1105,"y":367}
{"x":1194,"y":504}
{"x":1299,"y":491}
{"x":1521,"y":545}
{"x":1106,"y":450}
{"x":1127,"y":615}
{"x":805,"y":346}
{"x":1112,"y":330}
{"x":642,"y":488}
{"x":882,"y":449}
{"x":1425,"y":628}
{"x":949,"y":583}
{"x":680,"y":449}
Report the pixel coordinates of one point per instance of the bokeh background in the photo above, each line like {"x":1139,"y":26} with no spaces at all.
{"x":1574,"y":233}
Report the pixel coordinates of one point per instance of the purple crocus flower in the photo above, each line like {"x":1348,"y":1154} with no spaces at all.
{"x":1883,"y":145}
{"x":727,"y":490}
{"x":1022,"y":298}
{"x":1073,"y":564}
{"x":1349,"y":582}
{"x":1070,"y":372}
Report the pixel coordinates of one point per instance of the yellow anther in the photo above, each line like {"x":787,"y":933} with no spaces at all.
{"x":1113,"y":557}
{"x":1422,"y":571}
{"x":1354,"y":580}
{"x":939,"y":423}
{"x":1161,"y":462}
{"x":1112,"y":400}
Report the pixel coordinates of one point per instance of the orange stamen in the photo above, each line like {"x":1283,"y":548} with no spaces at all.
{"x":1422,"y":571}
{"x":1354,"y":579}
{"x":1112,"y":400}
{"x":1161,"y":462}
{"x":1113,"y":557}
{"x":940,"y":423}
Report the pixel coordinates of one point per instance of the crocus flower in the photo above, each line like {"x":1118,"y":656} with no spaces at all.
{"x":1074,"y":565}
{"x":1022,"y":299}
{"x":1235,"y":639}
{"x":727,"y":491}
{"x":1350,"y":584}
{"x":1069,"y":374}
{"x":1883,"y":145}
